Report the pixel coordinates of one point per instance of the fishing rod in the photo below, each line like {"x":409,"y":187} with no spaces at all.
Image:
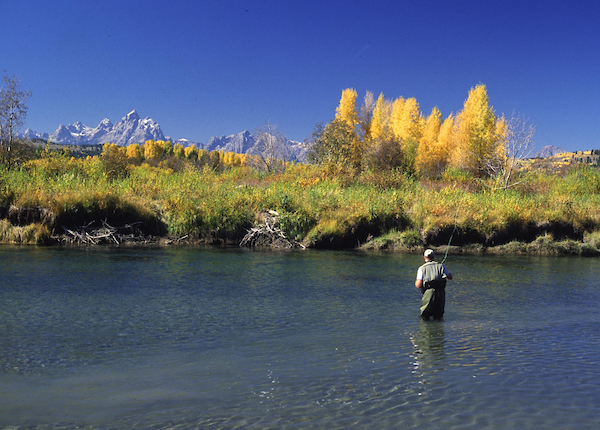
{"x":450,"y":241}
{"x":451,"y":235}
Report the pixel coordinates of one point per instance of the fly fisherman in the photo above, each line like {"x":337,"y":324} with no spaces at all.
{"x":431,"y":281}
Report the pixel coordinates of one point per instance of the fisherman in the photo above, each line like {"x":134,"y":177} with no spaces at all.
{"x":431,"y":281}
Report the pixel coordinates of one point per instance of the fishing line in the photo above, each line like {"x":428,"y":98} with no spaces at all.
{"x":448,"y":247}
{"x":452,"y":235}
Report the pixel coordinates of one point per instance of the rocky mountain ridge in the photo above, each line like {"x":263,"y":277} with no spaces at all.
{"x":133,"y":129}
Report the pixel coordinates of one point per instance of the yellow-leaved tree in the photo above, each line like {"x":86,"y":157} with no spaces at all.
{"x":476,"y":141}
{"x":347,"y":111}
{"x":153,"y":149}
{"x":179,"y":151}
{"x":444,"y":145}
{"x":380,"y":122}
{"x":134,"y":151}
{"x":407,"y":126}
{"x":427,"y":155}
{"x":190,"y":152}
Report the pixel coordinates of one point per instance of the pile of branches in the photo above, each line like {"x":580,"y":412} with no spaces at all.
{"x":103,"y":234}
{"x":268,"y":234}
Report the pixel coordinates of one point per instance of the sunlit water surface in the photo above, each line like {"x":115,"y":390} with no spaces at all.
{"x":195,"y":338}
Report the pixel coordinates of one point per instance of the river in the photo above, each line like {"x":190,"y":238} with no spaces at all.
{"x":186,"y":338}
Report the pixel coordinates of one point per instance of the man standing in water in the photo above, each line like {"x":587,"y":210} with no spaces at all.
{"x":431,"y":281}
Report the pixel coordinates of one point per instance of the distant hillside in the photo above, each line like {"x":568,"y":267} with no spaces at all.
{"x":560,"y":159}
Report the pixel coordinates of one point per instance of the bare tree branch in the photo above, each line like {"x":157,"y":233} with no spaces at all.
{"x":13,"y":110}
{"x":517,"y":143}
{"x":270,"y":148}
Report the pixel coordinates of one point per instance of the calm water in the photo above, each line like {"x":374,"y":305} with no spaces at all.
{"x":180,"y":338}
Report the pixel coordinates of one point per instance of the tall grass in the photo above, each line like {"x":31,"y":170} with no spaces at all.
{"x":314,"y":206}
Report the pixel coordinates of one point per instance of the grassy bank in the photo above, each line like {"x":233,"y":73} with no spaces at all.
{"x":385,"y":210}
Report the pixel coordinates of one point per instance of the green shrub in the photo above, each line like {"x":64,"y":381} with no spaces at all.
{"x":454,"y":174}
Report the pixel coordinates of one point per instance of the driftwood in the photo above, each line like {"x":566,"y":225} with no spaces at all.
{"x":268,"y":234}
{"x":104,"y":234}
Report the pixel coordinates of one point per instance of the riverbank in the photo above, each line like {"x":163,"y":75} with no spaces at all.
{"x":49,"y":201}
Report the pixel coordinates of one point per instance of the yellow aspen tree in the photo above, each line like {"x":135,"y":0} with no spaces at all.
{"x":203,"y":156}
{"x":228,"y":159}
{"x":407,"y":124}
{"x":153,"y":149}
{"x":444,"y":144}
{"x":179,"y":151}
{"x":475,"y":132}
{"x":410,"y":123}
{"x":134,"y":151}
{"x":167,"y":147}
{"x":380,"y":123}
{"x":190,"y":152}
{"x":426,"y":155}
{"x":237,"y":160}
{"x":396,"y":116}
{"x":347,"y":111}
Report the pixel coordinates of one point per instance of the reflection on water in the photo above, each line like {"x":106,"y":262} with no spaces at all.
{"x":429,"y":354}
{"x":237,"y":339}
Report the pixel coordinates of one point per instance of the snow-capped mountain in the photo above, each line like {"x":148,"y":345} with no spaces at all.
{"x":245,"y":143}
{"x":241,"y":143}
{"x":132,"y":129}
{"x":31,"y":135}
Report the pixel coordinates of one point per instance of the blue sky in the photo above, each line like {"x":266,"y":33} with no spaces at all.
{"x":203,"y":69}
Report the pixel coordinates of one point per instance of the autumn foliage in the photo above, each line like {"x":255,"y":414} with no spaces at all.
{"x":389,"y":134}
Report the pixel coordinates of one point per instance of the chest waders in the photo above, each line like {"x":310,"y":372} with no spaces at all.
{"x":433,"y":301}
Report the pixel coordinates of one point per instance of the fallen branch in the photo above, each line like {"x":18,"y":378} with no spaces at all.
{"x":105,"y":234}
{"x":268,"y":234}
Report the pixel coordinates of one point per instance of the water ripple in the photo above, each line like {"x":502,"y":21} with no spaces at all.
{"x":186,"y":339}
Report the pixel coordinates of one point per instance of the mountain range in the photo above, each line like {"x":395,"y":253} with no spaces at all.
{"x":133,"y":129}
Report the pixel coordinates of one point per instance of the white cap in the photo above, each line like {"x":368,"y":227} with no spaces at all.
{"x":429,"y":254}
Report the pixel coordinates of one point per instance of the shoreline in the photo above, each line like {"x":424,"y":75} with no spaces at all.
{"x":541,"y":246}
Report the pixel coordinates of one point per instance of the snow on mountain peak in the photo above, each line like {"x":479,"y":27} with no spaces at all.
{"x":132,"y":116}
{"x":128,"y":130}
{"x":105,"y":123}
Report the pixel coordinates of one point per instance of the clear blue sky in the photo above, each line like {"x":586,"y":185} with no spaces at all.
{"x":210,"y":68}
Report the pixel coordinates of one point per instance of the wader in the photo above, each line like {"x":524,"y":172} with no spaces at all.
{"x":433,"y":290}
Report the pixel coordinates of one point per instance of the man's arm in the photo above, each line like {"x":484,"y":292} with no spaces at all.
{"x":447,"y":273}
{"x":419,"y":281}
